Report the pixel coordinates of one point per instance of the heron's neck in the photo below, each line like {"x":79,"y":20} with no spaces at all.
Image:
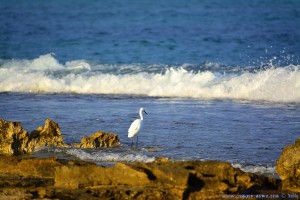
{"x":141,"y":115}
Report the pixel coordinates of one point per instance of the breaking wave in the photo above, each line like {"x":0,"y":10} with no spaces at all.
{"x":96,"y":155}
{"x":46,"y":75}
{"x":100,"y":156}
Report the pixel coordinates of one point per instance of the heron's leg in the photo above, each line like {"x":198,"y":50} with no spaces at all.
{"x":131,"y":143}
{"x":137,"y":140}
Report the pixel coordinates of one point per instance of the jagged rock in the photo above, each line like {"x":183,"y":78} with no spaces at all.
{"x":13,"y":138}
{"x":288,"y":167}
{"x":99,"y":139}
{"x":60,"y":179}
{"x":47,"y":135}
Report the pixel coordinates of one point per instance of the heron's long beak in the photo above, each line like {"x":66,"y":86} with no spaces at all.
{"x":145,"y":112}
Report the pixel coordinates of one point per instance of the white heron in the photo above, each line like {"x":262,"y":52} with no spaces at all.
{"x":136,"y":126}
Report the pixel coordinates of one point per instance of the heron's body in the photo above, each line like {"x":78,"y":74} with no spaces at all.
{"x":136,"y":126}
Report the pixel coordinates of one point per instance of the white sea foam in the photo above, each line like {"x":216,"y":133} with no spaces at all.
{"x":257,"y":169}
{"x":101,"y":156}
{"x":43,"y":62}
{"x":46,"y":75}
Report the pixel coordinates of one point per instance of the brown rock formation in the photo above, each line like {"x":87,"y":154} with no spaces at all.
{"x":47,"y":135}
{"x":13,"y":138}
{"x":75,"y":177}
{"x":99,"y":139}
{"x":288,"y":167}
{"x":162,"y":179}
{"x":204,"y":180}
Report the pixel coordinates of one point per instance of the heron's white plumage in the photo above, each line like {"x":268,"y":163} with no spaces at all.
{"x":134,"y":128}
{"x":136,"y":125}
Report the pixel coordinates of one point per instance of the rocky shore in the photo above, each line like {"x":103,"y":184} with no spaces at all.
{"x":24,"y":177}
{"x":29,"y":178}
{"x":14,"y":140}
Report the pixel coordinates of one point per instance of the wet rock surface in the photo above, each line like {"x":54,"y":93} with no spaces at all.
{"x":23,"y":178}
{"x":288,"y":167}
{"x":99,"y":139}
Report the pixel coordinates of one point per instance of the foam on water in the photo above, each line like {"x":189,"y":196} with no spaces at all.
{"x":257,"y":169}
{"x":46,"y":75}
{"x":128,"y":155}
{"x":101,"y":156}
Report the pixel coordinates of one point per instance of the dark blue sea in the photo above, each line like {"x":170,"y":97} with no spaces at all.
{"x":220,"y":80}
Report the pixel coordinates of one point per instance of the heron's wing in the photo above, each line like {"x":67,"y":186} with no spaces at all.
{"x":134,"y":128}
